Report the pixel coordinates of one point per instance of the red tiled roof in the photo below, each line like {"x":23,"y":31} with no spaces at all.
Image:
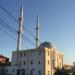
{"x":1,"y":56}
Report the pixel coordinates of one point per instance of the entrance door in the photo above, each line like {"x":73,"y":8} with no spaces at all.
{"x":20,"y":72}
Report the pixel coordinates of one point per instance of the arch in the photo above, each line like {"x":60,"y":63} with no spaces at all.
{"x":20,"y":71}
{"x":32,"y":72}
{"x":39,"y":72}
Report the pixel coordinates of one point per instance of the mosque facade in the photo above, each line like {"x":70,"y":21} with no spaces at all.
{"x":39,"y":61}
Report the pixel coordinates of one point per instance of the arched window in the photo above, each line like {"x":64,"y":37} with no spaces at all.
{"x":48,"y":62}
{"x":39,"y":72}
{"x":39,"y":62}
{"x":24,"y":54}
{"x":39,"y":52}
{"x":30,"y":53}
{"x":32,"y":72}
{"x":24,"y":62}
{"x":48,"y":73}
{"x":20,"y":62}
{"x":31,"y":62}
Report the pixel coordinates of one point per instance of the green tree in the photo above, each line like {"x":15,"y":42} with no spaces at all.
{"x":62,"y":71}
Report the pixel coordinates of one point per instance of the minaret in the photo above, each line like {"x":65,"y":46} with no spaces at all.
{"x":20,"y":32}
{"x":37,"y":32}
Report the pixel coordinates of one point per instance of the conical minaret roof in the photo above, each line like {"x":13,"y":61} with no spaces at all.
{"x":21,"y":11}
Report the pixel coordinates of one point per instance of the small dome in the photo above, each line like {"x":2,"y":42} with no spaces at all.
{"x":46,"y":44}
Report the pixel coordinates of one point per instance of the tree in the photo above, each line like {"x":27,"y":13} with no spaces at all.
{"x":62,"y":71}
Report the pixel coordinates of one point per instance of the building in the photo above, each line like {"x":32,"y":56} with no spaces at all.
{"x":65,"y":66}
{"x":73,"y":71}
{"x":3,"y":59}
{"x":39,"y":61}
{"x":68,"y":68}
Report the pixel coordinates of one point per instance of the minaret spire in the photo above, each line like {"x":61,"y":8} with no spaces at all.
{"x":20,"y":28}
{"x":37,"y":32}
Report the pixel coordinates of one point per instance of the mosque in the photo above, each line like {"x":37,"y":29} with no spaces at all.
{"x":41,"y":60}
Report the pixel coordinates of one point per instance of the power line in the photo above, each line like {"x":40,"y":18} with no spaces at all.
{"x":7,"y":33}
{"x":29,"y":40}
{"x":11,"y":36}
{"x":7,"y":26}
{"x":15,"y":20}
{"x":29,"y":32}
{"x":8,"y":13}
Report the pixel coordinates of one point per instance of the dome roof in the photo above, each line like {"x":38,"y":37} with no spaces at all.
{"x":46,"y":44}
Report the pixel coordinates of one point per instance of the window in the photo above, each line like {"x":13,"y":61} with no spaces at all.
{"x":24,"y":54}
{"x":48,"y":62}
{"x":20,"y":54}
{"x":20,"y":63}
{"x":3,"y":60}
{"x":48,"y":73}
{"x":32,"y":72}
{"x":13,"y":70}
{"x":39,"y":72}
{"x":53,"y":64}
{"x":30,"y":53}
{"x":48,"y":53}
{"x":39,"y":62}
{"x":39,"y":52}
{"x":31,"y":62}
{"x":24,"y":62}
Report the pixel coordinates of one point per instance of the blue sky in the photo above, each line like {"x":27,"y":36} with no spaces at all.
{"x":57,"y":25}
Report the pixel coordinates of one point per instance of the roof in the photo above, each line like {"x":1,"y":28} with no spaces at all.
{"x":1,"y":56}
{"x":46,"y":44}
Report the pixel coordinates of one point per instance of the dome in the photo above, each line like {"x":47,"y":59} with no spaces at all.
{"x":46,"y":44}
